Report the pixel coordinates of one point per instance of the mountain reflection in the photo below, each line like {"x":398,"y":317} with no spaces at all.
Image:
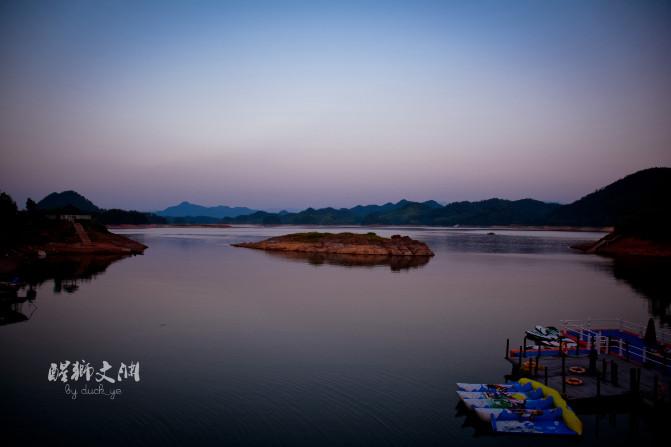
{"x":18,"y":294}
{"x":395,"y":263}
{"x":650,"y":278}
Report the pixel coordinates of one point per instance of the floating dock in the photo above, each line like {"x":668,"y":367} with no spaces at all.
{"x":610,"y":360}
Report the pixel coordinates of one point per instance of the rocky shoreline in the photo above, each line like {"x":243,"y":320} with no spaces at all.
{"x":65,"y":239}
{"x":342,"y":243}
{"x":616,"y":245}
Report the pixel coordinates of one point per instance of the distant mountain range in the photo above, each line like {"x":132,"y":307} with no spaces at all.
{"x":404,"y":212}
{"x":638,"y":200}
{"x":186,"y":209}
{"x":634,"y":201}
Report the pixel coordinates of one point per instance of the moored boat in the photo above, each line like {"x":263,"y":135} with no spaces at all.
{"x":526,"y":406}
{"x":548,"y":336}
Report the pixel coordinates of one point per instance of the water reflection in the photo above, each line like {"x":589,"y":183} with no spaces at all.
{"x":12,"y":313}
{"x":395,"y":263}
{"x":505,"y":243}
{"x":242,"y":348}
{"x":650,"y":278}
{"x":18,"y":294}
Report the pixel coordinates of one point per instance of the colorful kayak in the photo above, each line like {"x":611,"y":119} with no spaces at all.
{"x":548,"y":423}
{"x":513,"y":387}
{"x":532,"y":394}
{"x":526,"y":406}
{"x":486,"y":413}
{"x":509,"y":402}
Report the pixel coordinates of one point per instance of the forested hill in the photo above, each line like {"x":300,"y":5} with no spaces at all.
{"x":638,"y":202}
{"x":404,"y":212}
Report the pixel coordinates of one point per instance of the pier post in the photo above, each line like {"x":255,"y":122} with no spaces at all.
{"x":613,"y":373}
{"x":577,"y":347}
{"x":592,"y":361}
{"x":655,"y":389}
{"x":626,"y":352}
{"x":507,"y":348}
{"x":538,"y":360}
{"x":602,"y":342}
{"x":519,"y":359}
{"x":563,"y":375}
{"x":638,"y":381}
{"x":604,"y":369}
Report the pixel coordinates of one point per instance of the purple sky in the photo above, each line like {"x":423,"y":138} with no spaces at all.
{"x":294,"y":104}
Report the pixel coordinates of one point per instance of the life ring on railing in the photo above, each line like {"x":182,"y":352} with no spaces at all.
{"x":574,"y":381}
{"x":577,"y":370}
{"x":529,"y":365}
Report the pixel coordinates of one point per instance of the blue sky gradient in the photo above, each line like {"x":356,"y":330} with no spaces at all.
{"x":295,"y":104}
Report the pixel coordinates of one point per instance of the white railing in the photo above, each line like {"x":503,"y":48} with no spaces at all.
{"x":663,"y":335}
{"x":590,"y":332}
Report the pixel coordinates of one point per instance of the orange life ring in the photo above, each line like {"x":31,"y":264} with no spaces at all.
{"x":529,"y":365}
{"x":574,"y":381}
{"x":577,"y":370}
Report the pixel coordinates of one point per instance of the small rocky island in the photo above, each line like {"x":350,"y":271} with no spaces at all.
{"x":342,"y":243}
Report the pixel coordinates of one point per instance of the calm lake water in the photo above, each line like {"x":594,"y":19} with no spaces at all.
{"x":242,"y":347}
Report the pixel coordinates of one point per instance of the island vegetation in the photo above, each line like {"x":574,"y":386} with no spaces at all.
{"x":343,"y":244}
{"x":35,"y":233}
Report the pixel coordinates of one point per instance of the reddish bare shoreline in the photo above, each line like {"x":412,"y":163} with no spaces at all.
{"x":619,"y":245}
{"x":59,"y":240}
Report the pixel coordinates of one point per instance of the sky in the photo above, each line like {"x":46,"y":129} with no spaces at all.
{"x":287,"y":104}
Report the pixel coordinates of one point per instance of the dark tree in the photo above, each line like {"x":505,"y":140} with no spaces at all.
{"x":31,"y":206}
{"x":8,"y":207}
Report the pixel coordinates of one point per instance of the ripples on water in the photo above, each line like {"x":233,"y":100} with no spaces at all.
{"x":244,"y":347}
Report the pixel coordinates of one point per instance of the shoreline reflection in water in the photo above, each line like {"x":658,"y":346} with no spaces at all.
{"x":395,"y":263}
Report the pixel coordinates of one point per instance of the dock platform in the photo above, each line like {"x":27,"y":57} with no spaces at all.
{"x":614,"y":368}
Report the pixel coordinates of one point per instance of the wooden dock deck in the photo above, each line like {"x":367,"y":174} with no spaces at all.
{"x":630,"y":380}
